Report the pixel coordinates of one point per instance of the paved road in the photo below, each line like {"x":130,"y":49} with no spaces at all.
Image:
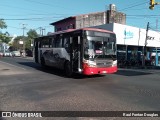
{"x":24,"y":86}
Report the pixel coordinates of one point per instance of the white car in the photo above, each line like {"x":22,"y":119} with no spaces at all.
{"x":7,"y":54}
{"x":16,"y":53}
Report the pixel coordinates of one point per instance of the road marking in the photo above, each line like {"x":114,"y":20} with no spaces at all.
{"x":13,"y":65}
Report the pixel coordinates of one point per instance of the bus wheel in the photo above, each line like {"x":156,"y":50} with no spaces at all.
{"x":68,"y":70}
{"x":43,"y":62}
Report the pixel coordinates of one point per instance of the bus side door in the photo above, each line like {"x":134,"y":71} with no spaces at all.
{"x":36,"y":51}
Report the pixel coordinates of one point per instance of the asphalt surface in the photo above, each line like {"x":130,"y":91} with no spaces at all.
{"x":25,"y":86}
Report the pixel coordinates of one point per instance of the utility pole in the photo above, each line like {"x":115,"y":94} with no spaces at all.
{"x":43,"y":31}
{"x":144,"y":47}
{"x":40,"y":30}
{"x":23,"y":28}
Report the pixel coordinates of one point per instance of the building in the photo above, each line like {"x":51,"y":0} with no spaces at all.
{"x":131,"y":42}
{"x":92,"y":19}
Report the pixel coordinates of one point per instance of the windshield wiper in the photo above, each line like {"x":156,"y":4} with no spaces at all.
{"x":96,"y":57}
{"x":112,"y":56}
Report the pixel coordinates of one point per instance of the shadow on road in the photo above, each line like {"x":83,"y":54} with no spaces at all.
{"x":2,"y":119}
{"x":131,"y":73}
{"x":56,"y":71}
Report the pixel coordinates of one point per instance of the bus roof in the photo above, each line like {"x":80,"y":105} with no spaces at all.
{"x":97,"y":29}
{"x":72,"y":30}
{"x":89,"y":29}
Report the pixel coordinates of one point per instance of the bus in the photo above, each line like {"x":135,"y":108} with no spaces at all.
{"x":87,"y":51}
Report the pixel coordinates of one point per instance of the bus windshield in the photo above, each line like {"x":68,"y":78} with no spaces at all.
{"x":100,"y":47}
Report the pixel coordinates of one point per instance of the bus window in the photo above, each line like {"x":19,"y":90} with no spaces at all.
{"x":66,"y":44}
{"x":53,"y":42}
{"x":45,"y":43}
{"x":50,"y":42}
{"x":40,"y":44}
{"x":58,"y":42}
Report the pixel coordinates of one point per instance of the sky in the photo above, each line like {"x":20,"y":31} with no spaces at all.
{"x":33,"y":14}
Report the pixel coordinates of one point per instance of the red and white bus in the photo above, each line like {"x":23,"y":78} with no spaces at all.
{"x":87,"y":51}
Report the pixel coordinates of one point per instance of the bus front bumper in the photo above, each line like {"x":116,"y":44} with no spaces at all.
{"x":93,"y":71}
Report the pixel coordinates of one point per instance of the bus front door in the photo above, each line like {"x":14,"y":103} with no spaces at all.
{"x":76,"y":54}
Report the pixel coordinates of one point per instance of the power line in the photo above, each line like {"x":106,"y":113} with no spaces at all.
{"x":29,"y":28}
{"x":3,"y":5}
{"x":48,"y":4}
{"x":143,"y":15}
{"x":36,"y":14}
{"x":14,"y":27}
{"x":138,"y":9}
{"x":39,"y":19}
{"x":133,"y":6}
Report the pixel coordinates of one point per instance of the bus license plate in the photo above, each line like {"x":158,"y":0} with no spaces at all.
{"x":104,"y":71}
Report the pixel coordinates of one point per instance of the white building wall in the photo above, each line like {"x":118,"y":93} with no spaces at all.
{"x":153,"y":39}
{"x":142,"y":37}
{"x":129,"y":35}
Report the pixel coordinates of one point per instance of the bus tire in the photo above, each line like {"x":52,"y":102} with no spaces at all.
{"x":68,"y":70}
{"x":43,"y":62}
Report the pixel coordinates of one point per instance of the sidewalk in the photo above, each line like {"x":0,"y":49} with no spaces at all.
{"x":9,"y":69}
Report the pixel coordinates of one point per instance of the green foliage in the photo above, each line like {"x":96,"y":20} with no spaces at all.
{"x":2,"y":24}
{"x":4,"y":37}
{"x":16,"y":45}
{"x":31,"y":35}
{"x":28,"y":40}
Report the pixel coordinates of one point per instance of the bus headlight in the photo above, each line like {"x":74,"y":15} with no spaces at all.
{"x":88,"y":63}
{"x":92,"y":63}
{"x":114,"y":63}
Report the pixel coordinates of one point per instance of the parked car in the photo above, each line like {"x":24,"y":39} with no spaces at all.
{"x":16,"y":53}
{"x":1,"y":54}
{"x":7,"y":54}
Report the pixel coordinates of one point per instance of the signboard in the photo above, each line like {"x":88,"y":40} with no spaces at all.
{"x":21,"y":42}
{"x":126,"y":35}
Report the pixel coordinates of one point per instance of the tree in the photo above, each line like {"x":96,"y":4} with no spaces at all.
{"x":2,"y":24}
{"x":31,"y":35}
{"x":16,"y":45}
{"x":4,"y":37}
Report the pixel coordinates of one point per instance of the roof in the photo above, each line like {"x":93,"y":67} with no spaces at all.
{"x":71,"y":17}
